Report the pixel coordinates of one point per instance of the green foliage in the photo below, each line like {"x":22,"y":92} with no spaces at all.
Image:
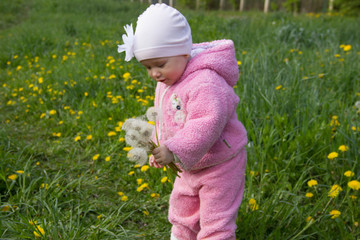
{"x":64,"y":92}
{"x":12,"y":12}
{"x":348,"y":7}
{"x":292,"y":5}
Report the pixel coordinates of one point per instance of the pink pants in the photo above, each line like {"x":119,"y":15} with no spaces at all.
{"x":204,"y":204}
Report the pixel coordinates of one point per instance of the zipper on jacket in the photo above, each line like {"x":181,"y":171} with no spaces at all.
{"x":226,"y":143}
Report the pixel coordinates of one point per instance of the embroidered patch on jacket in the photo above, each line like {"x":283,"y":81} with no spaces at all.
{"x":177,"y":105}
{"x":175,"y":102}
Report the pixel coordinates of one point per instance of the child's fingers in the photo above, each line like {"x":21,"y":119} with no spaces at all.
{"x":157,"y":165}
{"x":151,"y":161}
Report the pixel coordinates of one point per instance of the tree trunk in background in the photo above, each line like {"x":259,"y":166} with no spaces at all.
{"x":222,"y":3}
{"x":266,"y":6}
{"x":160,"y":1}
{"x":197,"y":4}
{"x":171,"y":3}
{"x":242,"y":2}
{"x":331,"y":5}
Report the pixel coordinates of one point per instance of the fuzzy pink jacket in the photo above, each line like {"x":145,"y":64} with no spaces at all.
{"x":199,"y":123}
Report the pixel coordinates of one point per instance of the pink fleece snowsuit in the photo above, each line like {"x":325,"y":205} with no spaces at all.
{"x":200,"y":126}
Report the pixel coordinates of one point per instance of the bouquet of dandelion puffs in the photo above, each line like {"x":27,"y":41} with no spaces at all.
{"x":138,"y":135}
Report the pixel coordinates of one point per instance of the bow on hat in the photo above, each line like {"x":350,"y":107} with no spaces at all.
{"x":128,"y":40}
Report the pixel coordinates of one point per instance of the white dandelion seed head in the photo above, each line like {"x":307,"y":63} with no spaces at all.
{"x":138,"y":124}
{"x":138,"y":155}
{"x":132,"y":137}
{"x":128,"y":124}
{"x":135,"y":139}
{"x":357,"y":104}
{"x":146,"y":131}
{"x":153,"y":114}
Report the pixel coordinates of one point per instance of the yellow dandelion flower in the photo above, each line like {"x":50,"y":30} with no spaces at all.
{"x":239,"y":63}
{"x":335,"y":213}
{"x":343,"y":148}
{"x":13,"y":177}
{"x":355,"y":185}
{"x":144,"y":168}
{"x":333,"y":155}
{"x":312,"y":183}
{"x":334,"y":191}
{"x":139,"y":181}
{"x":96,"y":157}
{"x":20,"y":171}
{"x":32,"y":222}
{"x":124,"y":198}
{"x":107,"y":159}
{"x":146,"y":212}
{"x":89,"y":137}
{"x":353,"y":197}
{"x":126,"y":149}
{"x":77,"y":138}
{"x":286,"y":60}
{"x":111,"y":133}
{"x":42,"y":115}
{"x":349,"y":174}
{"x":131,"y":173}
{"x":321,"y":75}
{"x":126,"y":76}
{"x":99,"y":216}
{"x":252,"y":201}
{"x":347,"y":48}
{"x":142,"y":187}
{"x":52,"y":112}
{"x":39,"y":232}
{"x":121,"y":139}
{"x":155,"y":195}
{"x":253,"y":205}
{"x":164,"y":179}
{"x":309,"y":195}
{"x":278,"y":87}
{"x":120,"y":194}
{"x":309,"y":219}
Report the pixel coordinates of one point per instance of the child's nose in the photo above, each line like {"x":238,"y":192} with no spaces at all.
{"x":155,"y":73}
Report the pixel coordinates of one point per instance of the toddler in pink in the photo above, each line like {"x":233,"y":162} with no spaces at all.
{"x":199,"y":129}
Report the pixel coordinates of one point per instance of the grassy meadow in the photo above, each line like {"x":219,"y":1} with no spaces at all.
{"x":65,"y":92}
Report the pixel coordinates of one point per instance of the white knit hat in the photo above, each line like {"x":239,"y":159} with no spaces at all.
{"x":161,"y":31}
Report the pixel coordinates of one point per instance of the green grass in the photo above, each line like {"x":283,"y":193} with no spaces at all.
{"x":61,"y":55}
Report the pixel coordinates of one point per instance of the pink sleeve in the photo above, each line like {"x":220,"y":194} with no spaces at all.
{"x":208,"y":110}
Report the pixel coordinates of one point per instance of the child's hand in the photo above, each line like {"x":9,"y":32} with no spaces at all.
{"x":152,"y":162}
{"x":163,"y":155}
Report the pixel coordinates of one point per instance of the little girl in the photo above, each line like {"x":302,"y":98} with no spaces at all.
{"x":199,"y":129}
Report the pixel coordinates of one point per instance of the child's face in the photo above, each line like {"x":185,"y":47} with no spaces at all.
{"x":166,"y":69}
